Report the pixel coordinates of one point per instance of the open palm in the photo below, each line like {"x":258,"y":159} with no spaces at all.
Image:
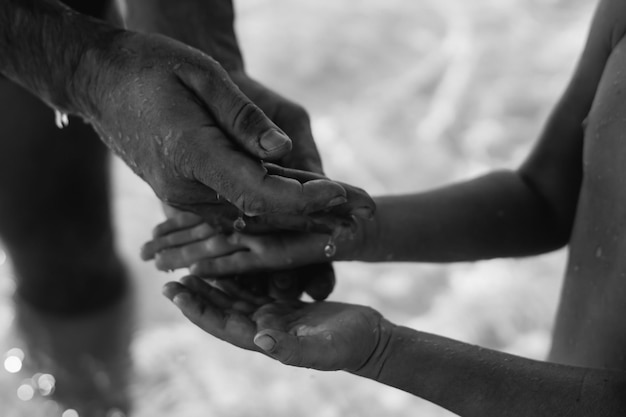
{"x":321,"y":335}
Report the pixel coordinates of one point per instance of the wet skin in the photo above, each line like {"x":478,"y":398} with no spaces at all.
{"x":570,"y":191}
{"x":156,"y":103}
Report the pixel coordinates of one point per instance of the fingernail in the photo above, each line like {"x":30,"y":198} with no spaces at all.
{"x":180,"y":299}
{"x":363,"y":213}
{"x":336,"y":201}
{"x":265,"y":342}
{"x":273,"y":140}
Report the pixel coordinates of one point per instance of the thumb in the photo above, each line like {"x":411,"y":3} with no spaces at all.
{"x":302,"y":351}
{"x":236,"y":115}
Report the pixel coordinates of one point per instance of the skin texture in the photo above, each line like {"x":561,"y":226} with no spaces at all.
{"x":209,"y":27}
{"x":570,"y":190}
{"x":154,"y":101}
{"x":330,"y":336}
{"x":170,"y":111}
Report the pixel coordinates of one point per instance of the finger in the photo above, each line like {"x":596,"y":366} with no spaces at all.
{"x":183,"y":220}
{"x":310,"y":351}
{"x":292,"y":118}
{"x":286,"y":285}
{"x":217,"y":297}
{"x":189,"y":254}
{"x":246,"y":184}
{"x":233,"y":264}
{"x":175,"y":239}
{"x":231,"y":326}
{"x":249,"y":288}
{"x":318,"y":222}
{"x":244,"y":122}
{"x":319,"y":281}
{"x":358,"y":203}
{"x":207,"y":292}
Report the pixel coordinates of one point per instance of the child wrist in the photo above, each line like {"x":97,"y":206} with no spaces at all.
{"x":374,"y":365}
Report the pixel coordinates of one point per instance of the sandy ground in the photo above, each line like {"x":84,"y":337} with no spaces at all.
{"x":403,"y":95}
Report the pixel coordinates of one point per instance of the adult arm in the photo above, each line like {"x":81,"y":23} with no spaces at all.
{"x":170,"y":111}
{"x":209,"y":25}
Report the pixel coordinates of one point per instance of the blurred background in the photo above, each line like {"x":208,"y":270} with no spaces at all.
{"x":404,"y":95}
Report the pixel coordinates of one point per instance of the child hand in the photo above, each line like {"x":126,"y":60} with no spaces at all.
{"x":209,"y":253}
{"x":184,"y":240}
{"x":323,"y":335}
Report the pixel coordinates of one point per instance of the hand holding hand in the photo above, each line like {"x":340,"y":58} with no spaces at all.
{"x":185,"y":241}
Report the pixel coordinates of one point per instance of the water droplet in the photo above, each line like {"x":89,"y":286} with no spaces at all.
{"x":330,"y":249}
{"x":599,"y":252}
{"x":239,"y":224}
{"x":61,"y":119}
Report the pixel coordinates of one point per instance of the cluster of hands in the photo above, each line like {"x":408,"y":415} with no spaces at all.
{"x":235,"y":164}
{"x":249,"y":209}
{"x":245,"y":288}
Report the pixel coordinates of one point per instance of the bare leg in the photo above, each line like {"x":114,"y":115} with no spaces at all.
{"x":54,"y":207}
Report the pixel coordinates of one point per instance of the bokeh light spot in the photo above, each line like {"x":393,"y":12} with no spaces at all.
{"x":25,"y":392}
{"x":46,"y":384}
{"x":13,"y":360}
{"x":115,"y":412}
{"x":70,"y":413}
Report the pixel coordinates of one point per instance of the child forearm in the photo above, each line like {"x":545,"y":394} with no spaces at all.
{"x":472,"y":381}
{"x":495,"y":215}
{"x":44,"y":46}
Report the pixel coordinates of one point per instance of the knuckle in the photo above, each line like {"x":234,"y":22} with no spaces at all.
{"x":247,"y":115}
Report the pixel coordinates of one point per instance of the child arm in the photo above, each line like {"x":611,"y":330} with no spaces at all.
{"x":465,"y":379}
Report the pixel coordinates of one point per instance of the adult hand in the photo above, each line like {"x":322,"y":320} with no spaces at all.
{"x":291,"y":117}
{"x":175,"y":117}
{"x":185,"y":241}
{"x":323,"y":335}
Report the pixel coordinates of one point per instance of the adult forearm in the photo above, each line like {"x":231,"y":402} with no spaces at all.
{"x":496,"y":215}
{"x":472,"y":381}
{"x":45,"y":47}
{"x":207,"y":25}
